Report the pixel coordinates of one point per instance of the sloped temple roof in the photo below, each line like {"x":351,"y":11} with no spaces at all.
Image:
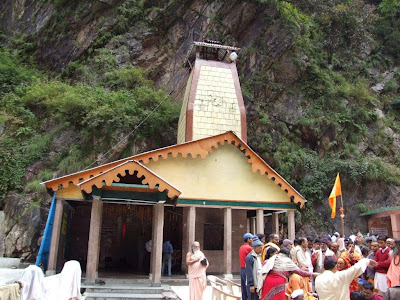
{"x":130,"y":166}
{"x":108,"y":173}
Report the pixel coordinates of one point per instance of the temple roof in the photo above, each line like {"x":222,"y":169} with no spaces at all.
{"x":131,"y":166}
{"x":108,"y":173}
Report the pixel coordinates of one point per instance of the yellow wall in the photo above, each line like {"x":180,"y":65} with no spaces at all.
{"x":224,"y":175}
{"x":216,"y":108}
{"x":71,"y":192}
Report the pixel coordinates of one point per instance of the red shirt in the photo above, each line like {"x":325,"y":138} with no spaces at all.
{"x":383,"y":260}
{"x":243,"y":251}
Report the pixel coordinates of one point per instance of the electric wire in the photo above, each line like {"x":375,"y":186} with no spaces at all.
{"x":103,"y":156}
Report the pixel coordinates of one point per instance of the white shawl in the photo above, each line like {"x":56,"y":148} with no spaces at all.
{"x":278,"y":262}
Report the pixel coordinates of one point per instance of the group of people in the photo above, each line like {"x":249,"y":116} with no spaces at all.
{"x":331,"y":268}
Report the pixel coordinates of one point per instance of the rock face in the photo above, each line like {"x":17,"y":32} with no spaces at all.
{"x":159,"y":44}
{"x":373,"y":194}
{"x":22,"y":227}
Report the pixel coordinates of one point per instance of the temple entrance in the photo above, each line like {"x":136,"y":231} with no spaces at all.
{"x":124,"y":232}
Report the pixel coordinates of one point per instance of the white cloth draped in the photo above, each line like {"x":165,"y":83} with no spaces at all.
{"x":67,"y":284}
{"x":33,"y":284}
{"x":63,"y":286}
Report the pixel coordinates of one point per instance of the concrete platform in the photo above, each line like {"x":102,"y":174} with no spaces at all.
{"x":183,"y":292}
{"x":8,"y":262}
{"x":9,"y":275}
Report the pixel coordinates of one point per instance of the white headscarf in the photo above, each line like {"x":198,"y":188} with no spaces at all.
{"x":33,"y":284}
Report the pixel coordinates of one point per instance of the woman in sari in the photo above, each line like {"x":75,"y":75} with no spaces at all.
{"x":275,"y":273}
{"x":197,"y":265}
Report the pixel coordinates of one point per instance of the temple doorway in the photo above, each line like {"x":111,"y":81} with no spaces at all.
{"x":124,"y":232}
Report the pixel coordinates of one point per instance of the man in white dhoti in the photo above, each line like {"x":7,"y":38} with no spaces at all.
{"x":334,"y":284}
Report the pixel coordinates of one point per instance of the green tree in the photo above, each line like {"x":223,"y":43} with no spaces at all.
{"x":345,"y":25}
{"x":388,"y":26}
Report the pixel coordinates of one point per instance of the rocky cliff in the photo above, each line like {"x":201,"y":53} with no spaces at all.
{"x":320,"y":82}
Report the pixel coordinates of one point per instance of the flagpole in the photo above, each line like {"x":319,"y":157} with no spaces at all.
{"x":342,"y":214}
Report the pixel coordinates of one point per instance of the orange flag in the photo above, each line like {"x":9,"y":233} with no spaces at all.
{"x":336,"y":191}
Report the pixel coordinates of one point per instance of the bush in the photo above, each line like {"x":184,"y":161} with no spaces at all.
{"x":391,"y":87}
{"x":15,"y":156}
{"x":13,"y":73}
{"x":388,"y":26}
{"x":34,"y":187}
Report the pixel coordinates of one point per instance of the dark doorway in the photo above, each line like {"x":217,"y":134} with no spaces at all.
{"x":124,"y":232}
{"x":173,"y":232}
{"x":77,"y":237}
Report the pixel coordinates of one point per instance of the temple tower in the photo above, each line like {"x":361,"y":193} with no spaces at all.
{"x":213,"y":100}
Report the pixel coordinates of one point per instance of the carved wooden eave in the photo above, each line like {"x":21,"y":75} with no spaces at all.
{"x":131,"y":166}
{"x":195,"y":148}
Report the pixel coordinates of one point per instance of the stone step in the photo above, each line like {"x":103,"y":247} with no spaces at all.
{"x":124,"y":289}
{"x":128,"y":291}
{"x":122,"y":296}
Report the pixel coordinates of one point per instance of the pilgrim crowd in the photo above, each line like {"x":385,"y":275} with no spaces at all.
{"x":328,"y":268}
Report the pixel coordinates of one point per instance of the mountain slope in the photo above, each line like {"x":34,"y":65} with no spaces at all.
{"x":320,"y":81}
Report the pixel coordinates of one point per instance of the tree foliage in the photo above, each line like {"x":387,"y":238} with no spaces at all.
{"x":36,"y":110}
{"x":388,"y":26}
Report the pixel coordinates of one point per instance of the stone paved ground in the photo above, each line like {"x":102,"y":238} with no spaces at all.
{"x":183,"y":292}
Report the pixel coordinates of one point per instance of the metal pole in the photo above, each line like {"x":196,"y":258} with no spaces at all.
{"x":342,"y":215}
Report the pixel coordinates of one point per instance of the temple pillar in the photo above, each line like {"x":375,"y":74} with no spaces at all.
{"x":157,"y":244}
{"x":260,"y":221}
{"x":275,"y":223}
{"x":55,"y":238}
{"x":253,"y":225}
{"x":228,"y":243}
{"x":291,"y":225}
{"x":94,"y":240}
{"x":248,"y":227}
{"x":189,"y":234}
{"x":191,"y":227}
{"x":395,"y":220}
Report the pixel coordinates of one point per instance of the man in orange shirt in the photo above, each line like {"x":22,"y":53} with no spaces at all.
{"x":297,"y":282}
{"x":244,"y":250}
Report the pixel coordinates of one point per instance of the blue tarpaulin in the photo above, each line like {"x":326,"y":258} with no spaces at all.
{"x":43,"y":256}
